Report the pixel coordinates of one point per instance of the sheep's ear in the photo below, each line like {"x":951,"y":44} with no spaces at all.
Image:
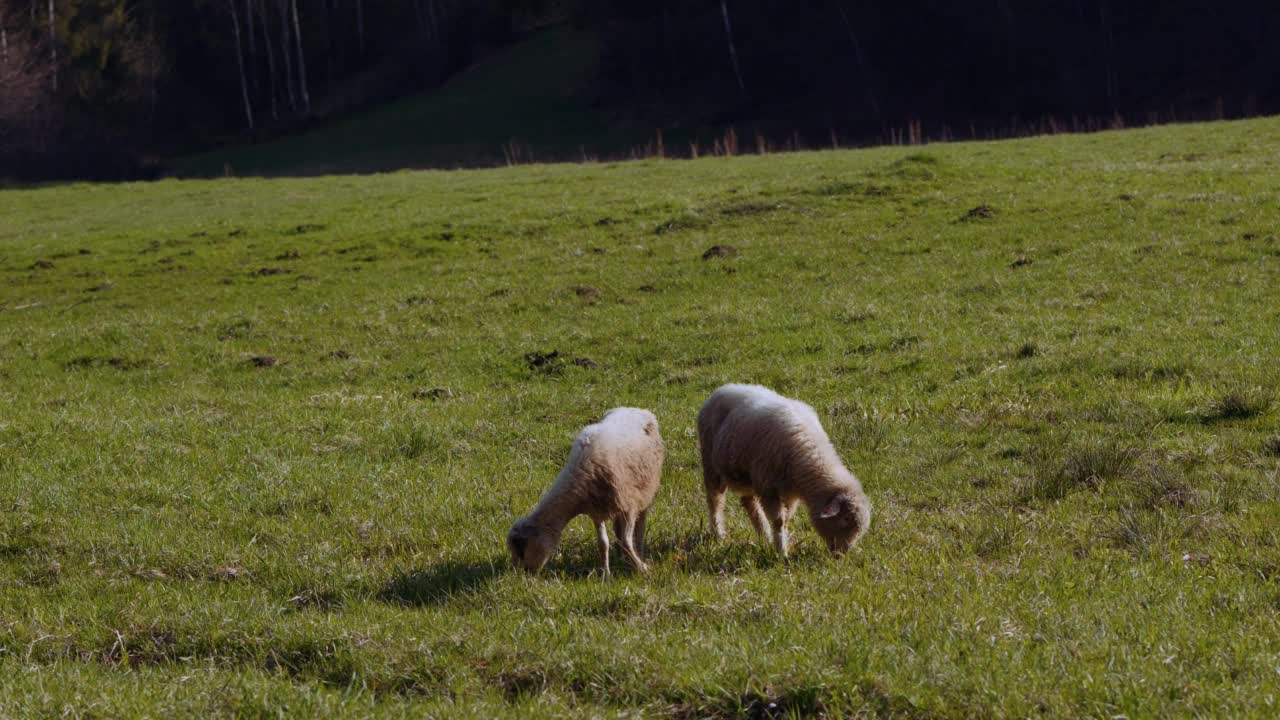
{"x":518,"y":544}
{"x":832,"y":508}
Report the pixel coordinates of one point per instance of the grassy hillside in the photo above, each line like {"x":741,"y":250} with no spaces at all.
{"x":535,"y":92}
{"x":261,"y":439}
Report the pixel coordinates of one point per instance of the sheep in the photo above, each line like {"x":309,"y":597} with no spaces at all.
{"x":772,"y":452}
{"x":613,"y":473}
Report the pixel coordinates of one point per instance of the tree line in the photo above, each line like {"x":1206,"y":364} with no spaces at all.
{"x":966,"y":64}
{"x":92,"y":85}
{"x":88,"y":87}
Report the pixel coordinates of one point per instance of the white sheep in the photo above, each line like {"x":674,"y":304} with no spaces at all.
{"x":613,"y":473}
{"x":772,"y":452}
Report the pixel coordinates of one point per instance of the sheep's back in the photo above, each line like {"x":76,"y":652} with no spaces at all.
{"x":763,"y":440}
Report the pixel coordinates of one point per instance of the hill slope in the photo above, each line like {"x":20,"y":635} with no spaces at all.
{"x":535,"y":92}
{"x":262,"y":438}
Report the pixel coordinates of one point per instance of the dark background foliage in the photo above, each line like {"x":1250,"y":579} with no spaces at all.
{"x":100,"y":88}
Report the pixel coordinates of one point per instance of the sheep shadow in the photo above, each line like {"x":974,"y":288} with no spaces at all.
{"x":701,"y":553}
{"x":441,"y":583}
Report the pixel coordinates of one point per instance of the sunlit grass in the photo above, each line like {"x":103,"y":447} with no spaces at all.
{"x":260,"y":441}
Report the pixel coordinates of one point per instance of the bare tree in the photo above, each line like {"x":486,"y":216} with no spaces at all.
{"x":302,"y":60}
{"x":271,"y":60}
{"x":244,"y":79}
{"x":872,"y":100}
{"x":25,"y":73}
{"x":53,"y":45}
{"x":287,"y":54}
{"x":360,"y":23}
{"x":253,"y":47}
{"x":733,"y":49}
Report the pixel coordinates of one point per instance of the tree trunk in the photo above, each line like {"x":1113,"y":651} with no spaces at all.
{"x":271,"y":63}
{"x":244,"y":80}
{"x":302,"y":60}
{"x":253,"y":48}
{"x":433,"y":17}
{"x":422,"y":23}
{"x":287,"y":54}
{"x":733,"y":50}
{"x":53,"y":46}
{"x":872,"y":100}
{"x":360,"y":24}
{"x":1108,"y":40}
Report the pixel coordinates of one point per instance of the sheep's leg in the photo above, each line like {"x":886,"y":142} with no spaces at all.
{"x":751,"y":504}
{"x":715,"y":504}
{"x":776,"y":511}
{"x":626,"y":539}
{"x":602,"y":542}
{"x":639,"y":533}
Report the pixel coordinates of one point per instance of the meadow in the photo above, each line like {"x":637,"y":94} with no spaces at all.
{"x":261,"y":440}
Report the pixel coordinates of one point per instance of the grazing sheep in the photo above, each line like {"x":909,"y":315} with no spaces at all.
{"x":772,"y":452}
{"x":613,"y":473}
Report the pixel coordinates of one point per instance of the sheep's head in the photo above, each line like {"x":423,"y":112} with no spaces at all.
{"x":530,"y":545}
{"x":842,"y":519}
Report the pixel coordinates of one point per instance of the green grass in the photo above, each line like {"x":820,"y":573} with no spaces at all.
{"x":536,"y":92}
{"x":1061,"y":408}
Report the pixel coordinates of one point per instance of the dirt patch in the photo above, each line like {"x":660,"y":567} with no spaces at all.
{"x":542,"y":361}
{"x":720,"y":251}
{"x":588,"y":294}
{"x":266,"y":271}
{"x":94,"y":361}
{"x":982,"y":212}
{"x":263,"y":361}
{"x":304,"y":229}
{"x":749,"y":209}
{"x":553,"y":363}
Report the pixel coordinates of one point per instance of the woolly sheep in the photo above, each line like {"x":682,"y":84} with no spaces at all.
{"x":613,"y":473}
{"x":772,"y":452}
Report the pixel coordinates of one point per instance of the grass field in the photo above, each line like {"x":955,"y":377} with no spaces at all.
{"x":260,"y":440}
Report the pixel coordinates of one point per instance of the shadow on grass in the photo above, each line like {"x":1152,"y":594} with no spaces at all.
{"x":704,"y":554}
{"x":693,"y":553}
{"x":440,"y":583}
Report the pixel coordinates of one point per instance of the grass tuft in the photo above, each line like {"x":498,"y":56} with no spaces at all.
{"x":1271,"y":446}
{"x":1238,"y":404}
{"x":1059,"y":469}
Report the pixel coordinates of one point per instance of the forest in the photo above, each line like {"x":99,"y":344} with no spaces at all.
{"x":107,"y":88}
